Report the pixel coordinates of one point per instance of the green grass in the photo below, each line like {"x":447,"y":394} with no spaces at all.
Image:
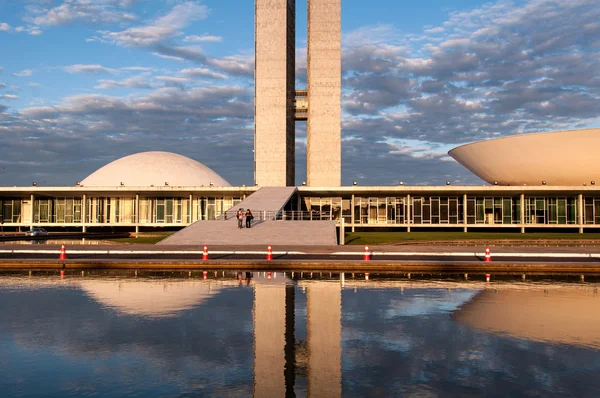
{"x":143,"y":239}
{"x":361,"y":238}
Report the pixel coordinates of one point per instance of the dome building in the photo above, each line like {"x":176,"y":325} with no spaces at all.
{"x":559,"y":158}
{"x":146,"y":169}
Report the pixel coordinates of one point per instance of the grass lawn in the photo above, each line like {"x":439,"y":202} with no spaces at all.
{"x":143,"y":239}
{"x":362,"y":238}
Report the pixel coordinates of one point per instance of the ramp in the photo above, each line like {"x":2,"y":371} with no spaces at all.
{"x":267,"y":199}
{"x":226,"y":232}
{"x":264,"y":204}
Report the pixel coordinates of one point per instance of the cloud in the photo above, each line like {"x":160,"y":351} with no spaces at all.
{"x":89,"y":69}
{"x":159,"y":30}
{"x":171,"y":57}
{"x":206,"y":123}
{"x":136,"y":82}
{"x":9,"y":97}
{"x":4,"y":27}
{"x":496,"y":70}
{"x":202,"y":39}
{"x":172,"y":81}
{"x":203,"y":72}
{"x":86,"y":11}
{"x":500,"y":69}
{"x":2,"y":85}
{"x":23,"y":73}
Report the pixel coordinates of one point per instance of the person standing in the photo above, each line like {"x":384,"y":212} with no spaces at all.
{"x":240,"y":218}
{"x":249,"y":218}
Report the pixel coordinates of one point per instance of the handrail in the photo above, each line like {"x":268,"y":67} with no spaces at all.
{"x":281,"y":215}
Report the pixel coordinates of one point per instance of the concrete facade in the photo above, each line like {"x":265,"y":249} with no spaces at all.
{"x":274,"y":140}
{"x":276,"y":105}
{"x":324,"y":94}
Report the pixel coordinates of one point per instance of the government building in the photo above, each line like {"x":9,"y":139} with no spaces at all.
{"x":536,"y":181}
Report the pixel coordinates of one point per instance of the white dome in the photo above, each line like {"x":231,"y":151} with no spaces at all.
{"x":154,"y":168}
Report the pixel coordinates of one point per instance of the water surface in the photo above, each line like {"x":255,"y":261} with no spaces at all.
{"x":242,"y":334}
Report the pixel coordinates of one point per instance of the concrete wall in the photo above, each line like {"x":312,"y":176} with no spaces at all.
{"x":324,"y":93}
{"x":274,"y":92}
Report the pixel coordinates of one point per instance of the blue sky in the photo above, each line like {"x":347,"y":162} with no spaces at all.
{"x":83,"y":82}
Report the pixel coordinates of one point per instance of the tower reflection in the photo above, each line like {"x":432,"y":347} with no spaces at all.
{"x":275,"y":355}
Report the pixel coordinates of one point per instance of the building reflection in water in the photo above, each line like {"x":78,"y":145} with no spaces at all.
{"x":275,"y":353}
{"x":552,"y":315}
{"x":210,"y":331}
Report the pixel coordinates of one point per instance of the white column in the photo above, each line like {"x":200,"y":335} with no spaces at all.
{"x":31,"y":211}
{"x":352,"y":212}
{"x":465,"y":219}
{"x":137,"y":213}
{"x":522,"y":213}
{"x":580,"y":212}
{"x":84,"y":210}
{"x":408,"y":215}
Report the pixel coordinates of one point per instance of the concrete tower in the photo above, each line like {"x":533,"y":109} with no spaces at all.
{"x":274,"y":74}
{"x":278,"y":105}
{"x":323,"y":163}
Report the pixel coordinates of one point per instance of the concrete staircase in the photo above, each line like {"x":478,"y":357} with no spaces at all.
{"x":263,"y":232}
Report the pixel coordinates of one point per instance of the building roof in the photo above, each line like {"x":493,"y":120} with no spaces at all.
{"x":558,"y":158}
{"x":147,"y":169}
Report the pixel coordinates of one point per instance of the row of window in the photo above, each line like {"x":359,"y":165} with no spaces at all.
{"x":364,"y":210}
{"x":450,"y":210}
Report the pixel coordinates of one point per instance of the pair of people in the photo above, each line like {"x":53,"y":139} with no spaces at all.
{"x":240,"y":217}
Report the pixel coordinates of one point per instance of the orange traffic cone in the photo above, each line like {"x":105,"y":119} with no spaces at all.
{"x":488,"y":256}
{"x":269,"y":276}
{"x":367,"y":276}
{"x":63,"y":253}
{"x":204,"y":275}
{"x":269,"y":253}
{"x":205,"y":253}
{"x":487,"y":277}
{"x":367,"y":255}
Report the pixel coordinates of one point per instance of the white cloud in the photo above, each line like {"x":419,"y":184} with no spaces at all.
{"x":161,"y":29}
{"x":202,"y":39}
{"x":9,"y":97}
{"x":172,"y":81}
{"x":171,"y":57}
{"x":203,"y":72}
{"x":137,"y":68}
{"x":136,"y":82}
{"x":4,"y":27}
{"x":87,"y":11}
{"x":438,"y":29}
{"x":24,"y":73}
{"x":89,"y":69}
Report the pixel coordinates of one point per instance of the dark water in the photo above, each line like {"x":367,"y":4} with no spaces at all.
{"x":154,"y":335}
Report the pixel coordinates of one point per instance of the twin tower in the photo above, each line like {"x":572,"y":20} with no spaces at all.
{"x":278,"y":105}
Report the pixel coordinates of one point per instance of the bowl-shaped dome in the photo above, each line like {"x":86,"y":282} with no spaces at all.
{"x":559,"y":158}
{"x":154,"y":168}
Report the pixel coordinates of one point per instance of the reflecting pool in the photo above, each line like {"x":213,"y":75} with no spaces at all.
{"x":303,"y":334}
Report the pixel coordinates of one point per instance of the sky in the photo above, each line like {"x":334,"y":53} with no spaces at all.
{"x":85,"y":82}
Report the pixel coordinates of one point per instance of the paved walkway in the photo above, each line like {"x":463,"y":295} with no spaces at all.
{"x":265,"y":203}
